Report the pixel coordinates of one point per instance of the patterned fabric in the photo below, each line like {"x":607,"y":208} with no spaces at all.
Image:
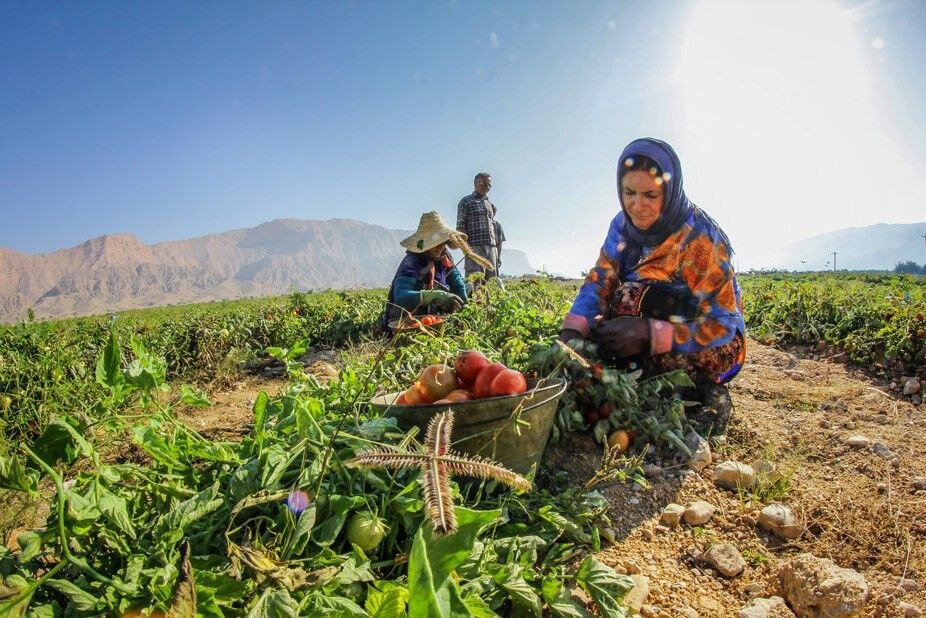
{"x":418,"y":272}
{"x":718,"y":364}
{"x":476,"y":219}
{"x":696,"y":258}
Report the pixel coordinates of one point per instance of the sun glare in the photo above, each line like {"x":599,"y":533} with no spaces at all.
{"x":781,"y":137}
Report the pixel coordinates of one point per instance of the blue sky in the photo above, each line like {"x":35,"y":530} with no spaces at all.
{"x":170,"y":120}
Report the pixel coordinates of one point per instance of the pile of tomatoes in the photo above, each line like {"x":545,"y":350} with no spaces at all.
{"x":473,"y":376}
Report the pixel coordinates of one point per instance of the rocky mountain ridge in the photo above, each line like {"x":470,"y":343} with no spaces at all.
{"x":117,"y":271}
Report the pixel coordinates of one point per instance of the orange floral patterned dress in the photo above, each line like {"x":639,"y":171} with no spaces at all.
{"x":685,"y":285}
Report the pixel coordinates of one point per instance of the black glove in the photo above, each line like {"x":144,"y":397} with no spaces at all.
{"x":622,"y":337}
{"x":568,"y":334}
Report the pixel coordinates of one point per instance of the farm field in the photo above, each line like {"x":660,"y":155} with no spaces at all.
{"x":165,"y":468}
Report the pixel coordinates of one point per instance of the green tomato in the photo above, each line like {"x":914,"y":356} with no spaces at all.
{"x":366,"y":530}
{"x":5,"y":403}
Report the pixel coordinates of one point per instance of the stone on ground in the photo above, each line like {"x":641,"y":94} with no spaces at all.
{"x":780,"y":520}
{"x":734,"y":475}
{"x":726,"y":558}
{"x":772,"y":607}
{"x":698,"y":512}
{"x":815,"y":586}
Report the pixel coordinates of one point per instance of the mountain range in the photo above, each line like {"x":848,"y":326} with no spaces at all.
{"x":874,"y":247}
{"x":118,"y":272}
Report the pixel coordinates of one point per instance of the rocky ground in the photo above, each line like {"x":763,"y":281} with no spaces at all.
{"x":812,"y":504}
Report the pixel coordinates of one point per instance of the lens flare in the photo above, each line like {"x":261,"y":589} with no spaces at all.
{"x":297,"y":502}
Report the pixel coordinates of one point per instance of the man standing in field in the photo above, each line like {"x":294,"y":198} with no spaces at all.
{"x":476,"y":219}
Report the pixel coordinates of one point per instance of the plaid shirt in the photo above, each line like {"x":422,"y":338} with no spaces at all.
{"x":476,"y":219}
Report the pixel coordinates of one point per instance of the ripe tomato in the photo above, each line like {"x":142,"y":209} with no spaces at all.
{"x":468,"y":364}
{"x":620,"y":440}
{"x":508,"y":382}
{"x":437,"y":380}
{"x":430,"y":320}
{"x":414,"y":395}
{"x":455,"y":396}
{"x":604,"y":410}
{"x":482,"y":385}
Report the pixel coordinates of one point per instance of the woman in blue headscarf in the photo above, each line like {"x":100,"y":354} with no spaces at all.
{"x":663,"y":290}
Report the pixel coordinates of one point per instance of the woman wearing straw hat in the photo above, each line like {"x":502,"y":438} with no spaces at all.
{"x":426,"y":280}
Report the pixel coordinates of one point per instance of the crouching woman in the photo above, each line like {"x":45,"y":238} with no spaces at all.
{"x":427,"y":282}
{"x":663,"y":294}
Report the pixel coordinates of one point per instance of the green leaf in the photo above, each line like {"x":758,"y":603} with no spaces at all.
{"x":478,"y":608}
{"x":303,"y":529}
{"x":109,"y":366}
{"x":560,"y":601}
{"x":297,"y":350}
{"x":114,"y":509}
{"x":148,"y":371}
{"x":15,"y":595}
{"x":14,"y":475}
{"x":386,"y":599}
{"x":338,"y":509}
{"x":215,"y":591}
{"x":604,"y":585}
{"x":30,"y":545}
{"x":153,"y":443}
{"x":431,"y":590}
{"x":190,"y":397}
{"x":354,"y":569}
{"x":375,"y":429}
{"x":573,"y":530}
{"x":82,"y":600}
{"x":260,"y":418}
{"x":174,"y":525}
{"x":334,"y":607}
{"x":274,"y":603}
{"x":524,"y":597}
{"x":44,"y":611}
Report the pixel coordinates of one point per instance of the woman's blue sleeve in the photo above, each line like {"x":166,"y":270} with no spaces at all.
{"x":406,"y":296}
{"x":602,"y":278}
{"x":456,"y":283}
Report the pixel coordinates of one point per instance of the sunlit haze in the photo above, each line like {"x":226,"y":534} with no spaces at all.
{"x":171,"y":120}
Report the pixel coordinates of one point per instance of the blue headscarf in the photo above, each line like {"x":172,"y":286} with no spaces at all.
{"x":676,"y":207}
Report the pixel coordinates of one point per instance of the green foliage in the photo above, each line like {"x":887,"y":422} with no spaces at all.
{"x":115,"y":534}
{"x":874,"y":318}
{"x":910,"y":268}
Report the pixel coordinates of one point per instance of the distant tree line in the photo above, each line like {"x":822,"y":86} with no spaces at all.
{"x":911,"y":268}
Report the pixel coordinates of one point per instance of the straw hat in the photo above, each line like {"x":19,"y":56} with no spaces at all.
{"x":432,"y":232}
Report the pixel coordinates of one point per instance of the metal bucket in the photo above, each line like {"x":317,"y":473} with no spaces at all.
{"x":488,"y":427}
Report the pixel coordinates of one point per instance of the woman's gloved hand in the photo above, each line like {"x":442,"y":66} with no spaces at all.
{"x":622,"y":337}
{"x":568,"y":334}
{"x":446,"y":301}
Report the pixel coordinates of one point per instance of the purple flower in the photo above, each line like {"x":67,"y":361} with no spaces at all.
{"x":297,"y":502}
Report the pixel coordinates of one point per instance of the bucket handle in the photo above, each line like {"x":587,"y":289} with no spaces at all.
{"x":560,"y":391}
